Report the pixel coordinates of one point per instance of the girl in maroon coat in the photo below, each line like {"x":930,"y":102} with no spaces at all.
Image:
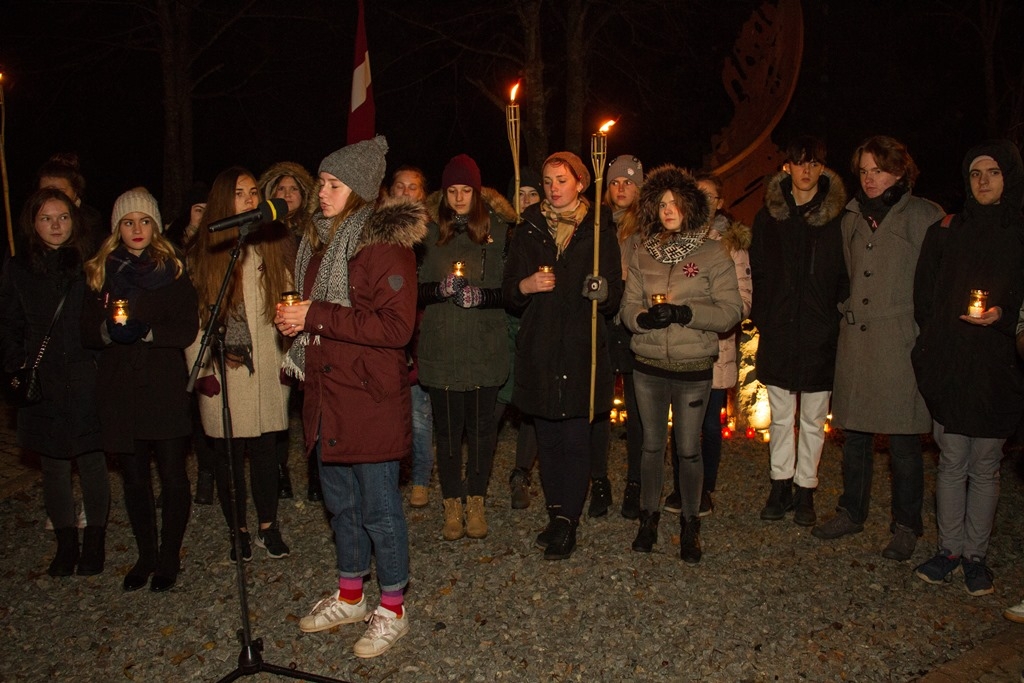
{"x":357,"y":274}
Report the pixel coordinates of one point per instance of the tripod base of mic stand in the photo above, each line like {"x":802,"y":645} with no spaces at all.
{"x":250,"y":663}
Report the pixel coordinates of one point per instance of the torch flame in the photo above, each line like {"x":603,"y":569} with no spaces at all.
{"x":606,"y":126}
{"x":515,"y":88}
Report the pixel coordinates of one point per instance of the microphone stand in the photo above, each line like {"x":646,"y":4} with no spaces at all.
{"x":250,"y":659}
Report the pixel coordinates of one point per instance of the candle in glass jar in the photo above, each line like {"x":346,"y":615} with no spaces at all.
{"x":290,"y":298}
{"x":978,"y":304}
{"x":546,"y":269}
{"x":657,"y":299}
{"x":119,"y":310}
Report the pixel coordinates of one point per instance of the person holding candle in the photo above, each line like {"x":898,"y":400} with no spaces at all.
{"x":799,"y":281}
{"x":140,"y":389}
{"x":41,"y":280}
{"x":966,"y":363}
{"x":625,"y":178}
{"x":874,"y":389}
{"x":462,"y":344}
{"x":548,"y":282}
{"x":675,"y":342}
{"x":357,"y":272}
{"x":291,"y":182}
{"x":258,"y":400}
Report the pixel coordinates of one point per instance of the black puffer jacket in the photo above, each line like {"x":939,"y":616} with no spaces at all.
{"x":552,"y":377}
{"x":970,"y":375}
{"x":64,"y":424}
{"x":799,"y":278}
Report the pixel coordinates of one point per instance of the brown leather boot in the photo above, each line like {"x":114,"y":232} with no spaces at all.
{"x":476,"y":524}
{"x":453,"y":528}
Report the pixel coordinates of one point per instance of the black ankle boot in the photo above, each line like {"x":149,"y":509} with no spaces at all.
{"x":64,"y":561}
{"x":544,"y":537}
{"x":647,"y":536}
{"x":600,"y":497}
{"x":689,"y":540}
{"x":803,"y":503}
{"x":780,"y":500}
{"x":563,"y":538}
{"x":284,"y":482}
{"x":93,"y":550}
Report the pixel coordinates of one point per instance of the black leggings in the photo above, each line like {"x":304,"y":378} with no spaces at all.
{"x":469,"y":414}
{"x":262,"y":452}
{"x":170,"y":457}
{"x":59,"y":495}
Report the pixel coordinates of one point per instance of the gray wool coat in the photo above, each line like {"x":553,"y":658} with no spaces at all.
{"x":875,"y":389}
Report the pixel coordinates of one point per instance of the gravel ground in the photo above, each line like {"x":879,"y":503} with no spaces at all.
{"x":768,"y":602}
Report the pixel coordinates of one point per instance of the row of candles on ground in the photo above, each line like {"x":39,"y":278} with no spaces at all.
{"x":728,"y":422}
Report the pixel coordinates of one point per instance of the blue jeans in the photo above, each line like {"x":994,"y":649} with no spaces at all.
{"x":365,"y":507}
{"x":422,"y":436}
{"x":907,"y":478}
{"x":688,"y":399}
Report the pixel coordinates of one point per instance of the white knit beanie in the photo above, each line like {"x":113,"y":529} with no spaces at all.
{"x":137,"y":199}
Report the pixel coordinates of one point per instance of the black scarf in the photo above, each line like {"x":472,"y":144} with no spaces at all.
{"x":129,"y":275}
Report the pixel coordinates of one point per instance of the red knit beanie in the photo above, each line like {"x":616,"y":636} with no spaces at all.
{"x":461,"y":170}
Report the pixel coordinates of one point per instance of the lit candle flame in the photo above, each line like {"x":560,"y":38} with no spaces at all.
{"x":606,"y":126}
{"x":515,"y":89}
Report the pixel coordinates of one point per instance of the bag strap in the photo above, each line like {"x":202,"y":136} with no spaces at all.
{"x":49,"y":330}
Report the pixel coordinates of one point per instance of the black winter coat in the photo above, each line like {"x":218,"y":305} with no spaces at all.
{"x":970,"y":375}
{"x":552,"y":376}
{"x":799,"y":279}
{"x":140,"y":390}
{"x":65,"y":423}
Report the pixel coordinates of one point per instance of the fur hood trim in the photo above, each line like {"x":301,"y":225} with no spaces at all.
{"x":668,"y":177}
{"x":496,"y":204}
{"x":395,"y":221}
{"x":272,"y":176}
{"x":830,"y":207}
{"x":734,"y":235}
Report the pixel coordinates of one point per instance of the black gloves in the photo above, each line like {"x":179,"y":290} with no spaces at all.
{"x":660,"y":316}
{"x":130,"y":332}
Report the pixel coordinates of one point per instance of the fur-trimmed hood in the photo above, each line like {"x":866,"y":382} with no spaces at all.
{"x":777,"y":198}
{"x":695,"y":207}
{"x":397,"y":221}
{"x":496,"y":204}
{"x":733,"y":234}
{"x":272,"y":176}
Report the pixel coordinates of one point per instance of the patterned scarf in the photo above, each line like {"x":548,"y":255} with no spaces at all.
{"x":331,"y":283}
{"x":563,"y":225}
{"x":676,"y":247}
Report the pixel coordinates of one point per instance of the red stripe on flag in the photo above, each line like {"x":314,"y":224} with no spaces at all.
{"x":362,"y":115}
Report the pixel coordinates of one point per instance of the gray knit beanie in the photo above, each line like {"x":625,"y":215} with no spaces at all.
{"x":627,"y":166}
{"x":360,"y":166}
{"x":137,"y":199}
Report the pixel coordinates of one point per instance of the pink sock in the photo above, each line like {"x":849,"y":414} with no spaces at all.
{"x":393,"y":600}
{"x":350,"y":590}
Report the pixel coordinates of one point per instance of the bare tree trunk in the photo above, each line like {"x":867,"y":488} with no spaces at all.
{"x":535,"y":93}
{"x":575,"y":74}
{"x":173,"y":19}
{"x":990,"y":12}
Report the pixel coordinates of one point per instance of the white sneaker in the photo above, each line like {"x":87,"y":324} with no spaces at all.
{"x":331,"y":612}
{"x":1015,"y":613}
{"x":385,"y":628}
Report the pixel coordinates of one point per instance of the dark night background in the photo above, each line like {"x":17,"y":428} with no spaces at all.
{"x":85,"y":77}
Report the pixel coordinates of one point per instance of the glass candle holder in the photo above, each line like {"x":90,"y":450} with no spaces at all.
{"x":458,"y":269}
{"x":978,"y":303}
{"x":657,"y":299}
{"x":290,"y":298}
{"x":546,"y":269}
{"x":119,"y":311}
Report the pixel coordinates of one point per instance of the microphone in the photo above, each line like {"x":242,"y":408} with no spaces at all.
{"x":268,"y":210}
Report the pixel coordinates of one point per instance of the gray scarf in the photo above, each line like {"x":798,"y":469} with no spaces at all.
{"x":331,"y":283}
